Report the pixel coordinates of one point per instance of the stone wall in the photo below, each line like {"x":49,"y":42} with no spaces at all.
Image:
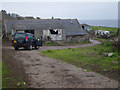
{"x":81,"y":38}
{"x":6,"y":17}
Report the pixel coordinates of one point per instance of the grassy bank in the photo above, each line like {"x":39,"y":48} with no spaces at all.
{"x":112,"y":30}
{"x":0,"y":74}
{"x":5,"y":73}
{"x":9,"y":79}
{"x":91,"y":58}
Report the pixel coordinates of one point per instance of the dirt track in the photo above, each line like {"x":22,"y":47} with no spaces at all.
{"x":44,"y":72}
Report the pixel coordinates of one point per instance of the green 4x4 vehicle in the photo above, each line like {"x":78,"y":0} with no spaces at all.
{"x":26,"y":40}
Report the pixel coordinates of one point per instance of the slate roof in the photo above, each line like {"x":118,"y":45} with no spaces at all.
{"x":0,"y":16}
{"x":71,"y":26}
{"x":37,"y":26}
{"x":85,"y":25}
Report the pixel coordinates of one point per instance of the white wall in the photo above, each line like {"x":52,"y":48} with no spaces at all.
{"x":53,"y":36}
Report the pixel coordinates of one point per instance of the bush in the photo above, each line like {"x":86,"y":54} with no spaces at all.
{"x":49,"y":51}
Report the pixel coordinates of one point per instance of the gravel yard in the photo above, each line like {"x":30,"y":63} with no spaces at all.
{"x":43,"y":72}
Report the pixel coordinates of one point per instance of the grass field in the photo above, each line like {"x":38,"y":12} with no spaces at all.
{"x":112,"y":30}
{"x":90,"y":58}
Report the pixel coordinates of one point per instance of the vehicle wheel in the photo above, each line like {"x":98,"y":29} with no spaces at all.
{"x":26,"y":48}
{"x":16,"y":48}
{"x":36,"y":47}
{"x":30,"y":47}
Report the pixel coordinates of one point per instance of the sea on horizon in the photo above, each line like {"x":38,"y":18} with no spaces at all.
{"x":104,"y":23}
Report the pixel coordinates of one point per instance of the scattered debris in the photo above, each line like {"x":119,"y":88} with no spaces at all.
{"x":37,"y":59}
{"x":76,"y":84}
{"x":115,"y":62}
{"x":74,"y":66}
{"x":66,"y":70}
{"x":104,"y":70}
{"x":95,"y":82}
{"x":52,"y":72}
{"x":54,"y":82}
{"x":52,"y":66}
{"x":21,"y":84}
{"x":108,"y":54}
{"x":105,"y":54}
{"x":18,"y":84}
{"x":89,"y":75}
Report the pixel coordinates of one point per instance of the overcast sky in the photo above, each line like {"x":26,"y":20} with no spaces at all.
{"x":99,"y":9}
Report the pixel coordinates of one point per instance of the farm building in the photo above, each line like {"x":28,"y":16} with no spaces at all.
{"x":85,"y":26}
{"x":102,"y":32}
{"x":50,"y":29}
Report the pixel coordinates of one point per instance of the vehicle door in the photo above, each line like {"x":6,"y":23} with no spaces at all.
{"x":19,"y":37}
{"x":32,"y":39}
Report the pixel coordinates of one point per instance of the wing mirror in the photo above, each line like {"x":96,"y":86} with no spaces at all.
{"x":38,"y":39}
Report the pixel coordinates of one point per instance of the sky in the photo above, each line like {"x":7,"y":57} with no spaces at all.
{"x":59,"y":0}
{"x":87,"y":10}
{"x":119,"y":10}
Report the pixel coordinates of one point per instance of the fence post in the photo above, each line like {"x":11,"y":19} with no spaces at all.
{"x":119,"y":45}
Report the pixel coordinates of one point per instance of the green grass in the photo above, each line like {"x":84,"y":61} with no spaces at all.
{"x":4,"y":57}
{"x":112,"y":30}
{"x":10,"y":80}
{"x":0,"y":74}
{"x":5,"y":72}
{"x":89,"y":58}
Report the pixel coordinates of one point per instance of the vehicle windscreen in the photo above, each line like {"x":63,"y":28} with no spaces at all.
{"x":31,"y":37}
{"x":19,"y":35}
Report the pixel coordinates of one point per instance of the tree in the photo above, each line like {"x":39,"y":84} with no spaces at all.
{"x":4,"y":11}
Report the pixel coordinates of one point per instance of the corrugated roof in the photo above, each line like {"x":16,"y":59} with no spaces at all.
{"x":71,"y":26}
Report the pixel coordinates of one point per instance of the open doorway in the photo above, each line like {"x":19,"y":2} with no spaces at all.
{"x":83,"y":27}
{"x":29,"y":31}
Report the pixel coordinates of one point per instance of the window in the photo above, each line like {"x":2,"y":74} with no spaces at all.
{"x":53,"y":31}
{"x":31,"y":37}
{"x":19,"y":35}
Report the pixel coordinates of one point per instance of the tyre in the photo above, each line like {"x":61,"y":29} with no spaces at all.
{"x":16,"y":48}
{"x":36,"y":47}
{"x":26,"y":48}
{"x":30,"y":47}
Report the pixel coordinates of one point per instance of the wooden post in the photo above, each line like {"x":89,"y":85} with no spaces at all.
{"x":118,"y":31}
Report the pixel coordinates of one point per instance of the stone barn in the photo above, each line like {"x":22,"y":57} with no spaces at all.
{"x":49,"y":29}
{"x":85,"y":26}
